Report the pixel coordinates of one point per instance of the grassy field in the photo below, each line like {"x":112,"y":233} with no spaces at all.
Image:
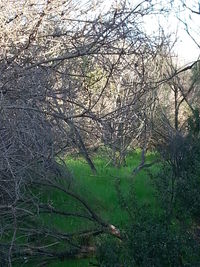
{"x":100,"y":191}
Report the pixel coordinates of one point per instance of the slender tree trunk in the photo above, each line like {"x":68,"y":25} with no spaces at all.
{"x":176,"y":109}
{"x":81,"y":146}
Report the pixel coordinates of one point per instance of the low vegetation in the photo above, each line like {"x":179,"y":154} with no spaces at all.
{"x":134,"y":204}
{"x":106,"y":192}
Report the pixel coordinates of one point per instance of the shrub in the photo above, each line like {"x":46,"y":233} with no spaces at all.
{"x":150,"y":241}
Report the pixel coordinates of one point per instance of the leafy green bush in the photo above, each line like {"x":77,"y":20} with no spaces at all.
{"x":149,"y":241}
{"x":178,"y":183}
{"x":109,"y":253}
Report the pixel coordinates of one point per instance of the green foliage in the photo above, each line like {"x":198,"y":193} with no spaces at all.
{"x":149,"y":241}
{"x":109,"y":253}
{"x":194,"y":124}
{"x":178,"y":183}
{"x":165,"y":238}
{"x":100,"y":192}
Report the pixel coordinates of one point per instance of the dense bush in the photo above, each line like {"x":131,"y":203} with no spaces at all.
{"x":149,"y":241}
{"x":178,"y":182}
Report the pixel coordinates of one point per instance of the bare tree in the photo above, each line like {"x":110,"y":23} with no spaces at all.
{"x":60,"y":65}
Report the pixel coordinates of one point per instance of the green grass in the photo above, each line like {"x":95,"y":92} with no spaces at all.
{"x":100,"y":192}
{"x":100,"y":189}
{"x":72,"y":263}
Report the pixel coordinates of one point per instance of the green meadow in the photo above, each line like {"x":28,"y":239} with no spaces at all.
{"x":112,"y":192}
{"x":101,"y":191}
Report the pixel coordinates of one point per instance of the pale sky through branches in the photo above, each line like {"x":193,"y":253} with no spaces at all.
{"x":176,"y":22}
